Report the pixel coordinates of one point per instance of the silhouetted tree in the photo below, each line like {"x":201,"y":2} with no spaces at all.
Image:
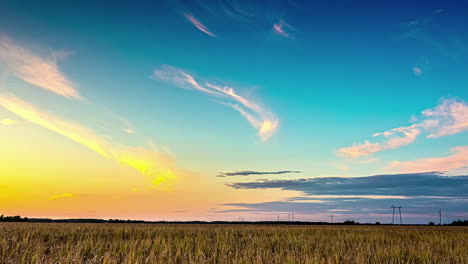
{"x":459,"y":223}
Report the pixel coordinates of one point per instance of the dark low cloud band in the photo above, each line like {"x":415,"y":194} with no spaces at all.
{"x":247,"y":173}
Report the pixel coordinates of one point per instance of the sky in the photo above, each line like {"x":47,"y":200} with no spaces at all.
{"x":229,"y":109}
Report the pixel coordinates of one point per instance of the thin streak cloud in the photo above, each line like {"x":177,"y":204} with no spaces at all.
{"x":198,"y":25}
{"x":256,"y":114}
{"x":283,"y":29}
{"x":151,"y":163}
{"x":36,"y":70}
{"x":247,"y":173}
{"x":395,"y":138}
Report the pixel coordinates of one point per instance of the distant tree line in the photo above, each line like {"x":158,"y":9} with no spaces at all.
{"x":459,"y":223}
{"x":18,"y":218}
{"x":126,"y":221}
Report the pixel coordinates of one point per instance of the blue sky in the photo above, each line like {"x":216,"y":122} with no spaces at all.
{"x":232,"y":86}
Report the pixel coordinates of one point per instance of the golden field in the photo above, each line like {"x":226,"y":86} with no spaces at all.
{"x":209,"y":243}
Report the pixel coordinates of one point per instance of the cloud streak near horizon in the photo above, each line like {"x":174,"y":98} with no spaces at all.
{"x":151,"y":163}
{"x":247,"y":173}
{"x":448,"y":118}
{"x":256,"y":114}
{"x":458,"y":159}
{"x":34,"y":69}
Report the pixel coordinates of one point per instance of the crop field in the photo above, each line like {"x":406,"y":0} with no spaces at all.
{"x":190,"y":243}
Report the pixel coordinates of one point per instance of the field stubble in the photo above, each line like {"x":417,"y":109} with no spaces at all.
{"x":165,"y":243}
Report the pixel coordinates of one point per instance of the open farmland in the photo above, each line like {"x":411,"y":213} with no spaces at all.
{"x":190,"y":243}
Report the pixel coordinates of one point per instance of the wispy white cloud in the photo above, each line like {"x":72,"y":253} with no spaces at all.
{"x":399,"y":137}
{"x":150,"y":162}
{"x":451,"y":117}
{"x":198,"y":25}
{"x":42,"y":72}
{"x":458,"y":159}
{"x":34,"y":69}
{"x":359,"y":150}
{"x":448,"y":118}
{"x":283,"y":29}
{"x":258,"y":116}
{"x":394,"y":138}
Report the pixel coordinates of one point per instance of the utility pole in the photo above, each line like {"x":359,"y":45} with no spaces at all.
{"x":293,"y":216}
{"x":440,"y":216}
{"x":278,"y":218}
{"x":331,"y":218}
{"x":393,"y":213}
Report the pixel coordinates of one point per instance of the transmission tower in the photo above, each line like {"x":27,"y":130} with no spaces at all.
{"x":399,"y":209}
{"x":393,"y":213}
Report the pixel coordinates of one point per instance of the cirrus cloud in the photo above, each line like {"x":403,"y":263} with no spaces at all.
{"x":198,"y":25}
{"x":34,"y":69}
{"x":256,"y":114}
{"x":450,"y":117}
{"x":283,"y":29}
